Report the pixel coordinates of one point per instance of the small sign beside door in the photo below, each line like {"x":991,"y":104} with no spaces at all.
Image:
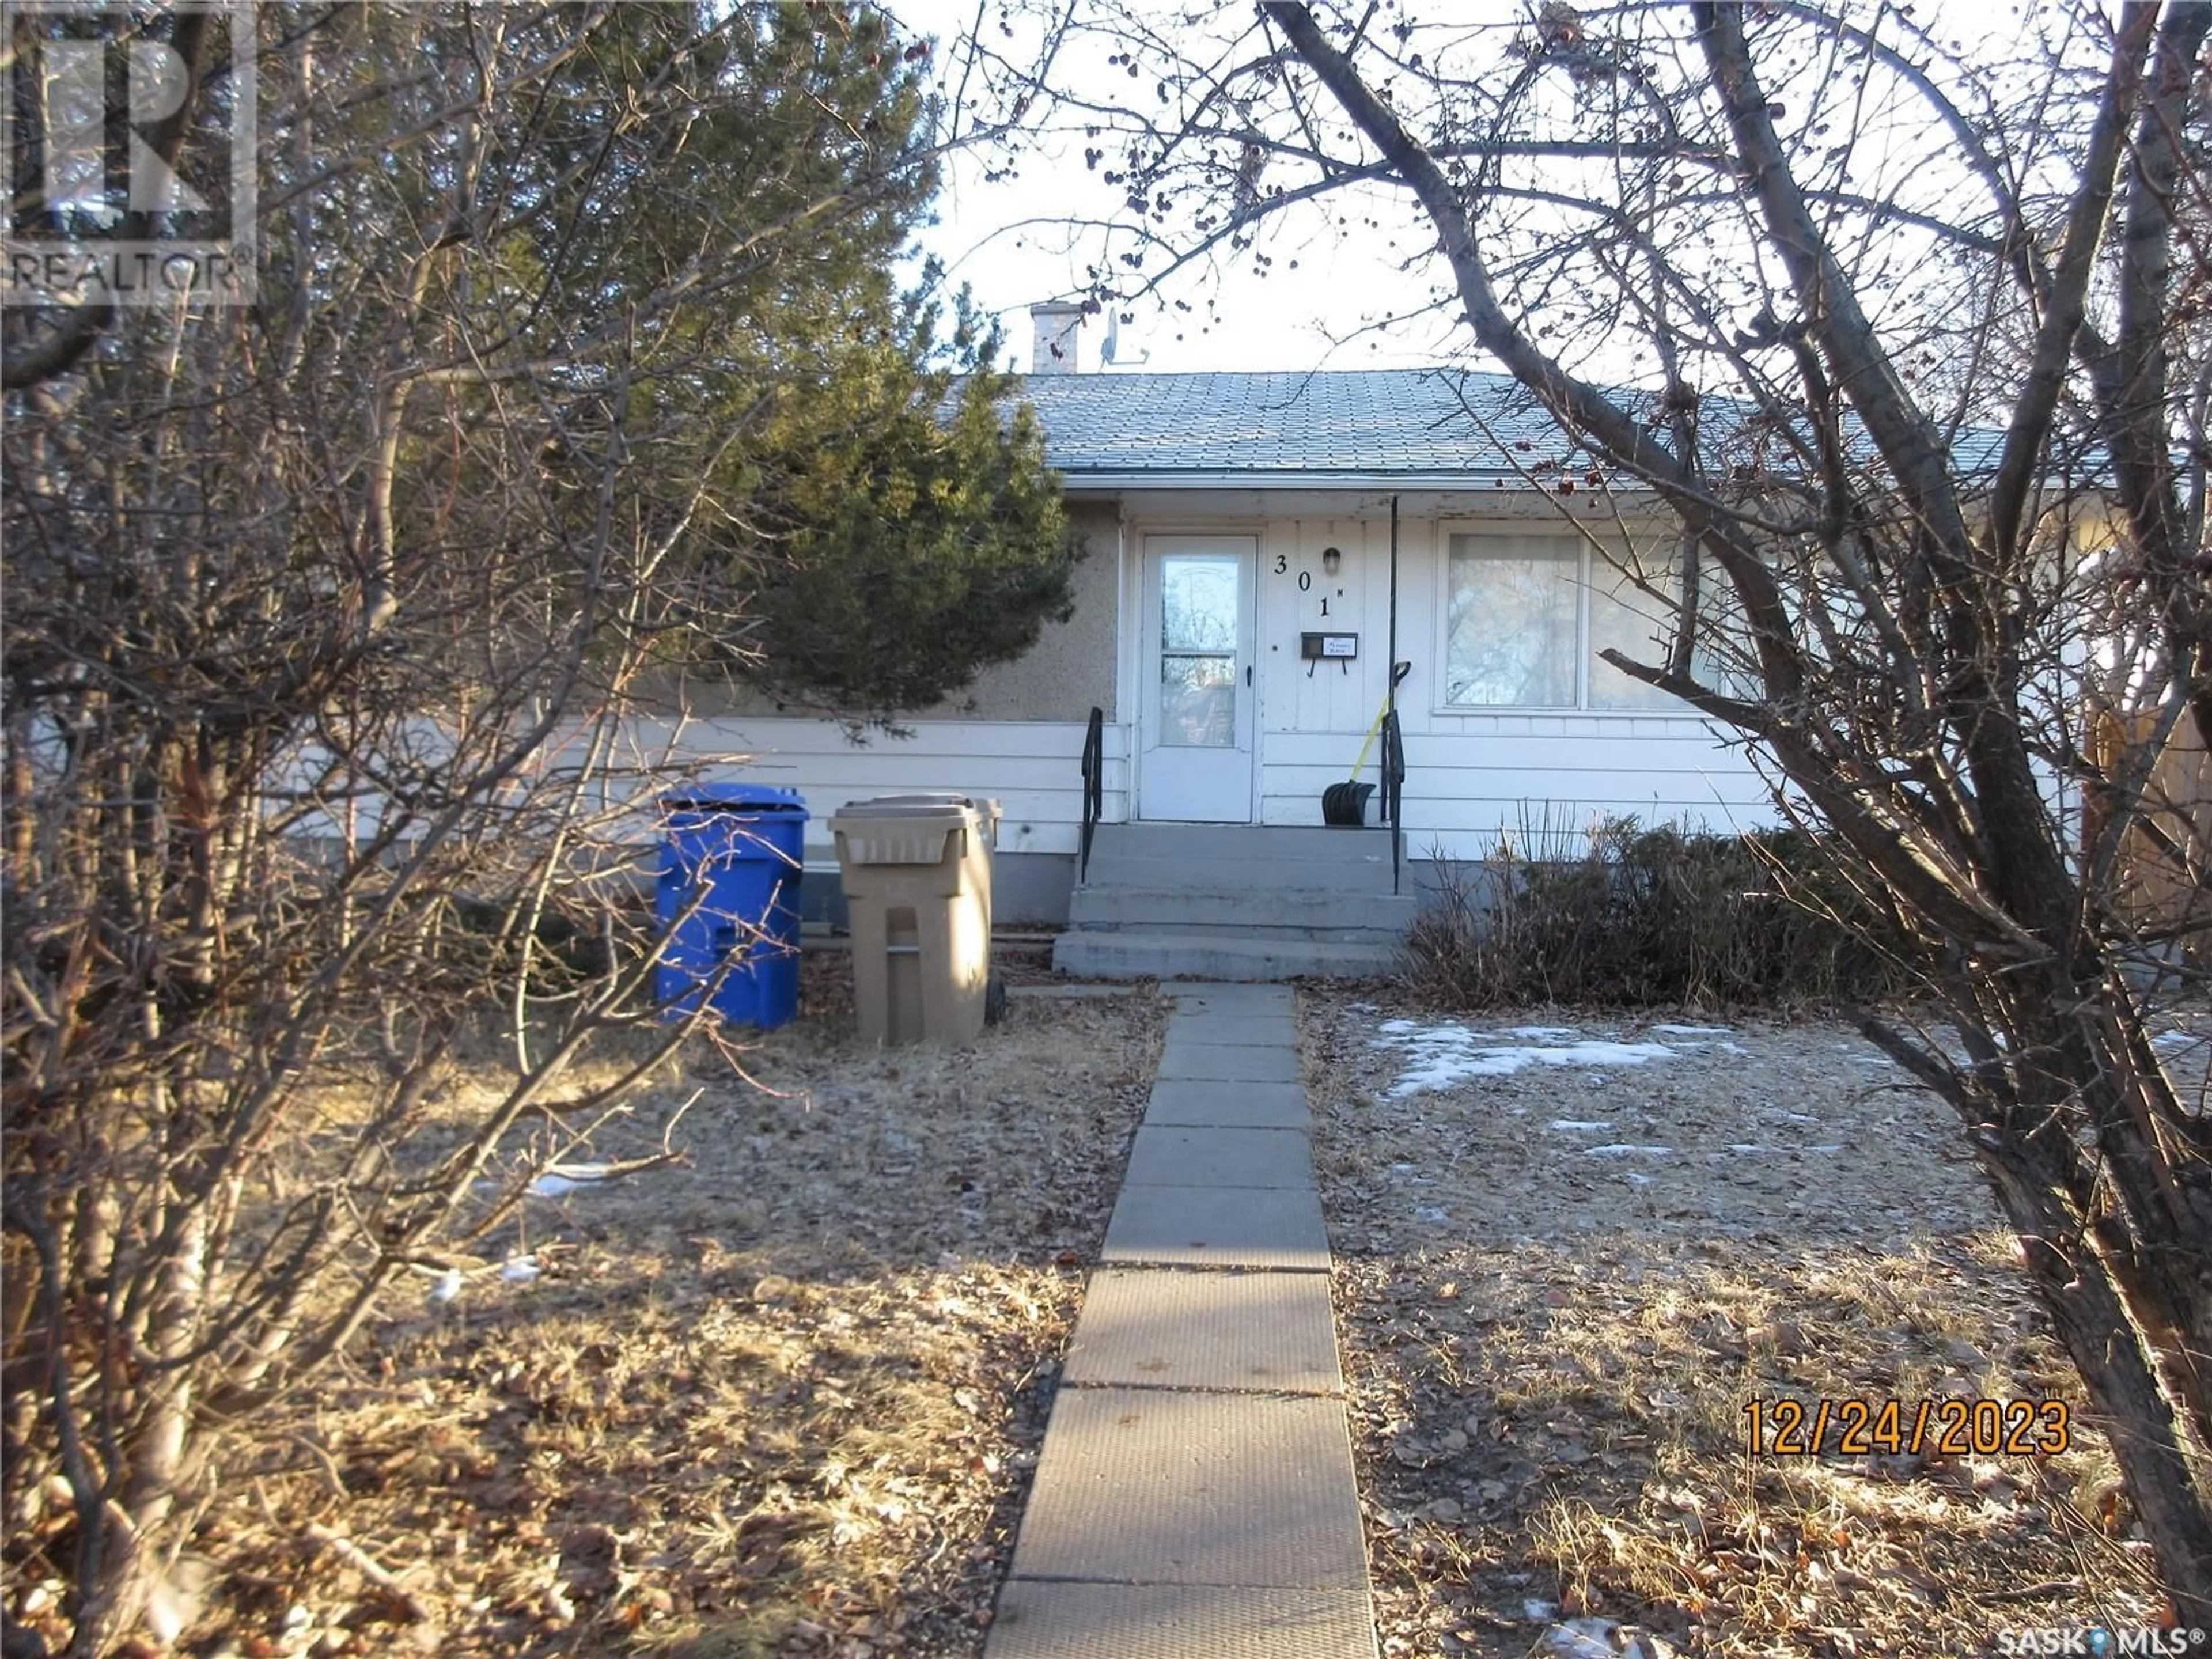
{"x":1328,"y":648}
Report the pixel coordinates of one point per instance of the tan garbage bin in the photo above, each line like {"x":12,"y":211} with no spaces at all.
{"x":917,"y":878}
{"x":988,"y":809}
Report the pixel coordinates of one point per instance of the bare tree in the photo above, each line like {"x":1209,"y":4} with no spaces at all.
{"x":325,"y":620}
{"x":1922,"y":337}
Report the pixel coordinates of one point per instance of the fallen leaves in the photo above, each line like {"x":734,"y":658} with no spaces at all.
{"x":1548,"y":1389}
{"x":778,"y":1398}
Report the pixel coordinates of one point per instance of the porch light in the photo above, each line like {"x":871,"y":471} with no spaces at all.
{"x":1332,"y":561}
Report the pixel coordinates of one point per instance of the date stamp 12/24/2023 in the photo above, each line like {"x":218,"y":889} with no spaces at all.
{"x":1946,"y":1427}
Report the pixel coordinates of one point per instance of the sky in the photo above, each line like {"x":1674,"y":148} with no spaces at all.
{"x":1323,"y":303}
{"x":1008,"y":240}
{"x":1317,"y":316}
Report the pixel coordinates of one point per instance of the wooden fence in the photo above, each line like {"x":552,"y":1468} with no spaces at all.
{"x":2165,"y":858}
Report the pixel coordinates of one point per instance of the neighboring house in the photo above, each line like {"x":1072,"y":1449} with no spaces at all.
{"x":1229,"y":517}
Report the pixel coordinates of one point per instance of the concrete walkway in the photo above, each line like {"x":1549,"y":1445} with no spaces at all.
{"x":1194,"y":1498}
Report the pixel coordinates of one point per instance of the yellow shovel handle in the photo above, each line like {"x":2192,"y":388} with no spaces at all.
{"x":1367,"y":745}
{"x":1397,"y":673}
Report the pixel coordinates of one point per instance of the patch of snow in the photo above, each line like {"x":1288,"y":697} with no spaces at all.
{"x":1641,"y":1179}
{"x":2171,"y":1042}
{"x":446,"y":1287}
{"x":1581,"y":1638}
{"x":561,"y":1179}
{"x":1438,"y":1056}
{"x":1541,"y":1033}
{"x":521,"y":1270}
{"x":1606,"y":1053}
{"x":1694,"y":1031}
{"x":1581,"y":1123}
{"x":1959,"y":1052}
{"x":1824,"y":1149}
{"x":1746,"y":1147}
{"x":1622,"y":1149}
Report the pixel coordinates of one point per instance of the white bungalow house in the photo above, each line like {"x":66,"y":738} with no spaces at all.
{"x":1261,"y":548}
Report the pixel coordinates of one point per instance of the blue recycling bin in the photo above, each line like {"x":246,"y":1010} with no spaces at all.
{"x":746,"y":843}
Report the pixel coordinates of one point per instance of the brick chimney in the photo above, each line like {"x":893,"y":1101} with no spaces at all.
{"x":1056,"y":332}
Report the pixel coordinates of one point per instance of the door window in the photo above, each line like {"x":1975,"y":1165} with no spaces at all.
{"x":1199,"y":615}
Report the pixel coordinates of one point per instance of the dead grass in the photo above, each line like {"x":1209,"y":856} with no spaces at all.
{"x":779,"y":1396}
{"x":1551,"y":1356}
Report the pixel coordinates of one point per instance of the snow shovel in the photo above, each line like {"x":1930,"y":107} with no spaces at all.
{"x":1344,"y":806}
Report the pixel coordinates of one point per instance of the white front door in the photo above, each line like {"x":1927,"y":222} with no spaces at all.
{"x":1194,"y":754}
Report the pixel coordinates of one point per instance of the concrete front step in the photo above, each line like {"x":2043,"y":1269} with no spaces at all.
{"x":1227,"y":840}
{"x":1245,"y":872}
{"x":1230,"y":858}
{"x":1175,"y":954}
{"x":1283,"y":912}
{"x":1294,"y":935}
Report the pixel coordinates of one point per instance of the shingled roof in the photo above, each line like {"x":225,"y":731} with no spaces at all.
{"x":1316,"y":427}
{"x":1440,"y":427}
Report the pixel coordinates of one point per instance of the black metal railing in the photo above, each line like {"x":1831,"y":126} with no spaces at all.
{"x":1394,"y":788}
{"x":1094,"y":786}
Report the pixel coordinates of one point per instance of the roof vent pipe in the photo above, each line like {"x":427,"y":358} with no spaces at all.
{"x":1057,"y":331}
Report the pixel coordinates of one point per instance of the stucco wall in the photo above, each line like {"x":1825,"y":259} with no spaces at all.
{"x":1070,"y":670}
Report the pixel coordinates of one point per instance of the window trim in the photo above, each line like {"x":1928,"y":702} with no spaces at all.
{"x":1447,"y":529}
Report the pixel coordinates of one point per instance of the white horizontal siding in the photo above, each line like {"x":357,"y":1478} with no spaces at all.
{"x":1470,"y":774}
{"x":1535,"y":771}
{"x":1599,"y":744}
{"x":1033,"y":768}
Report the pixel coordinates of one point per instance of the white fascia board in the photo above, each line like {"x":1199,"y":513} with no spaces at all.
{"x":1386,"y":482}
{"x":1147,"y":495}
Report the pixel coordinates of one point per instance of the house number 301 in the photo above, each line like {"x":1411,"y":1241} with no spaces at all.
{"x":1305,"y":578}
